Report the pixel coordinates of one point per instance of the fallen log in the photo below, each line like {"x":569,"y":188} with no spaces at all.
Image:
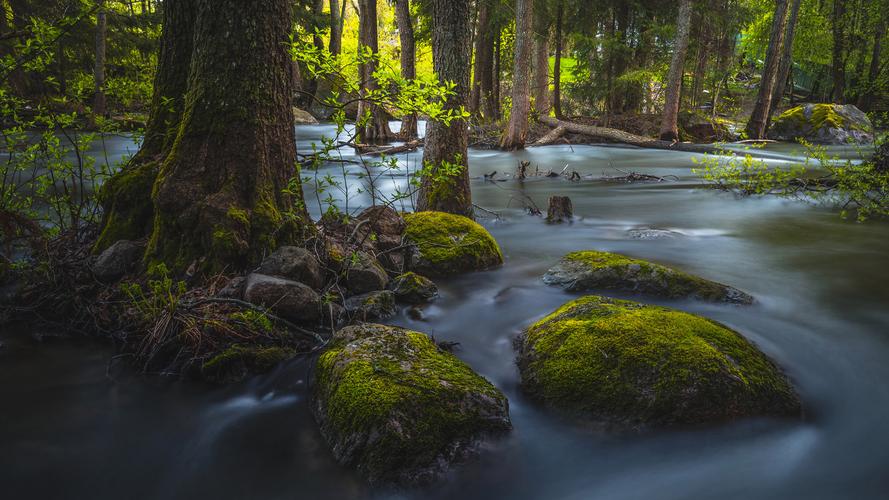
{"x":620,"y":136}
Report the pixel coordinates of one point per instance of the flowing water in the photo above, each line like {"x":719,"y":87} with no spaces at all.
{"x":70,"y":427}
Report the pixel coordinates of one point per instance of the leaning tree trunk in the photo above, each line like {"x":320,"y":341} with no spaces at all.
{"x":786,"y":62}
{"x":99,"y":105}
{"x":408,"y":61}
{"x":219,"y":198}
{"x":446,"y":145}
{"x":373,"y":125}
{"x":541,"y":62}
{"x":128,"y":210}
{"x":670,"y":121}
{"x":517,"y":129}
{"x":756,"y":127}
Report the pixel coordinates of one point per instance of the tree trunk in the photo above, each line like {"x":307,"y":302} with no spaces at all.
{"x":541,"y":61}
{"x":838,"y":63}
{"x":874,"y":72}
{"x":786,"y":62}
{"x":373,"y":124}
{"x":669,"y":123}
{"x":336,"y":30}
{"x":557,"y":67}
{"x":99,"y":105}
{"x":448,"y":191}
{"x":128,"y":210}
{"x":483,"y":78}
{"x":408,"y":61}
{"x":495,"y":102}
{"x":517,"y":129}
{"x":559,"y":210}
{"x":758,"y":124}
{"x":218,"y":199}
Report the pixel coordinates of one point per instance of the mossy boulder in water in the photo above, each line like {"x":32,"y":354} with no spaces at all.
{"x":631,"y":365}
{"x":448,"y":244}
{"x":392,"y":404}
{"x":238,"y":361}
{"x":413,"y":288}
{"x":594,"y":270}
{"x":823,"y":124}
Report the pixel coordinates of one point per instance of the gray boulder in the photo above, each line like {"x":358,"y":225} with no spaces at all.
{"x":117,"y":260}
{"x":291,"y":300}
{"x":371,"y":306}
{"x":294,"y":263}
{"x":823,"y":124}
{"x":364,"y":274}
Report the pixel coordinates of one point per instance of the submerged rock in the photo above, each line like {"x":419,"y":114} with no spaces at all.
{"x":823,"y":124}
{"x":117,"y":260}
{"x":397,"y":408}
{"x":448,"y":244}
{"x":413,"y":288}
{"x":371,"y":306}
{"x":594,"y":270}
{"x":294,"y":263}
{"x":627,"y":364}
{"x":291,"y":300}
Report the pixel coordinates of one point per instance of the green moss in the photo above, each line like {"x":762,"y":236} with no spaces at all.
{"x":414,"y":288}
{"x":375,"y":375}
{"x":823,"y":115}
{"x":611,"y":271}
{"x":630,"y":363}
{"x":450,"y":243}
{"x":237,"y":361}
{"x":127,"y":207}
{"x":254,"y":320}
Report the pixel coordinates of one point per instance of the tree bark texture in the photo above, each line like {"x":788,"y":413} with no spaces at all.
{"x":557,"y":66}
{"x":541,"y":62}
{"x":373,"y":124}
{"x":786,"y":61}
{"x":482,"y":95}
{"x":452,"y":58}
{"x":758,"y":124}
{"x":517,"y":128}
{"x":336,"y":31}
{"x":838,"y":62}
{"x":670,"y":121}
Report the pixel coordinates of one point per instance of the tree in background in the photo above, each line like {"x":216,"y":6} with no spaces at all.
{"x":373,"y":122}
{"x":517,"y":128}
{"x":758,"y":124}
{"x":408,"y":61}
{"x":540,"y":69}
{"x":669,"y":122}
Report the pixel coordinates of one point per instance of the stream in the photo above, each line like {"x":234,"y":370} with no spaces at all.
{"x":71,"y":426}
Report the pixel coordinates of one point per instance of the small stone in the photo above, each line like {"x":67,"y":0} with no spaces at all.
{"x":291,"y":300}
{"x":413,"y":288}
{"x":364,"y":274}
{"x":371,"y":306}
{"x":294,"y":263}
{"x":117,"y":260}
{"x":234,"y":289}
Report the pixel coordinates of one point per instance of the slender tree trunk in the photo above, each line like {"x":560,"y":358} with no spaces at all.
{"x":495,"y":102}
{"x":669,"y":123}
{"x":373,"y":124}
{"x":447,"y":144}
{"x":838,"y":63}
{"x":482,"y":79}
{"x":786,"y":62}
{"x":874,"y":72}
{"x":408,"y":61}
{"x":517,"y":129}
{"x":61,"y":62}
{"x":218,"y":199}
{"x":541,"y":61}
{"x":99,"y":105}
{"x":758,"y":124}
{"x":557,"y":67}
{"x":336,"y":30}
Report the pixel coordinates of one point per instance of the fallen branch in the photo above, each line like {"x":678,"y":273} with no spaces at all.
{"x":620,"y":136}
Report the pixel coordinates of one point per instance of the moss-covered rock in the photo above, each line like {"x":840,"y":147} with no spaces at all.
{"x":594,"y":270}
{"x":238,"y":361}
{"x":697,"y":126}
{"x":823,"y":124}
{"x":371,"y":306}
{"x":413,"y":288}
{"x":627,"y":364}
{"x":448,"y":244}
{"x":397,"y":408}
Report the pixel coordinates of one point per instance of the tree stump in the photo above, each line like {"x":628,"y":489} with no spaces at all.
{"x":559,"y":210}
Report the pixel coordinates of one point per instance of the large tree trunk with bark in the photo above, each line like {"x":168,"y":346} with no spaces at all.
{"x":218,"y":200}
{"x":670,"y":120}
{"x":408,"y":61}
{"x":786,"y":61}
{"x":99,"y":104}
{"x":758,"y":124}
{"x":373,"y":124}
{"x":517,"y":129}
{"x":447,"y":189}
